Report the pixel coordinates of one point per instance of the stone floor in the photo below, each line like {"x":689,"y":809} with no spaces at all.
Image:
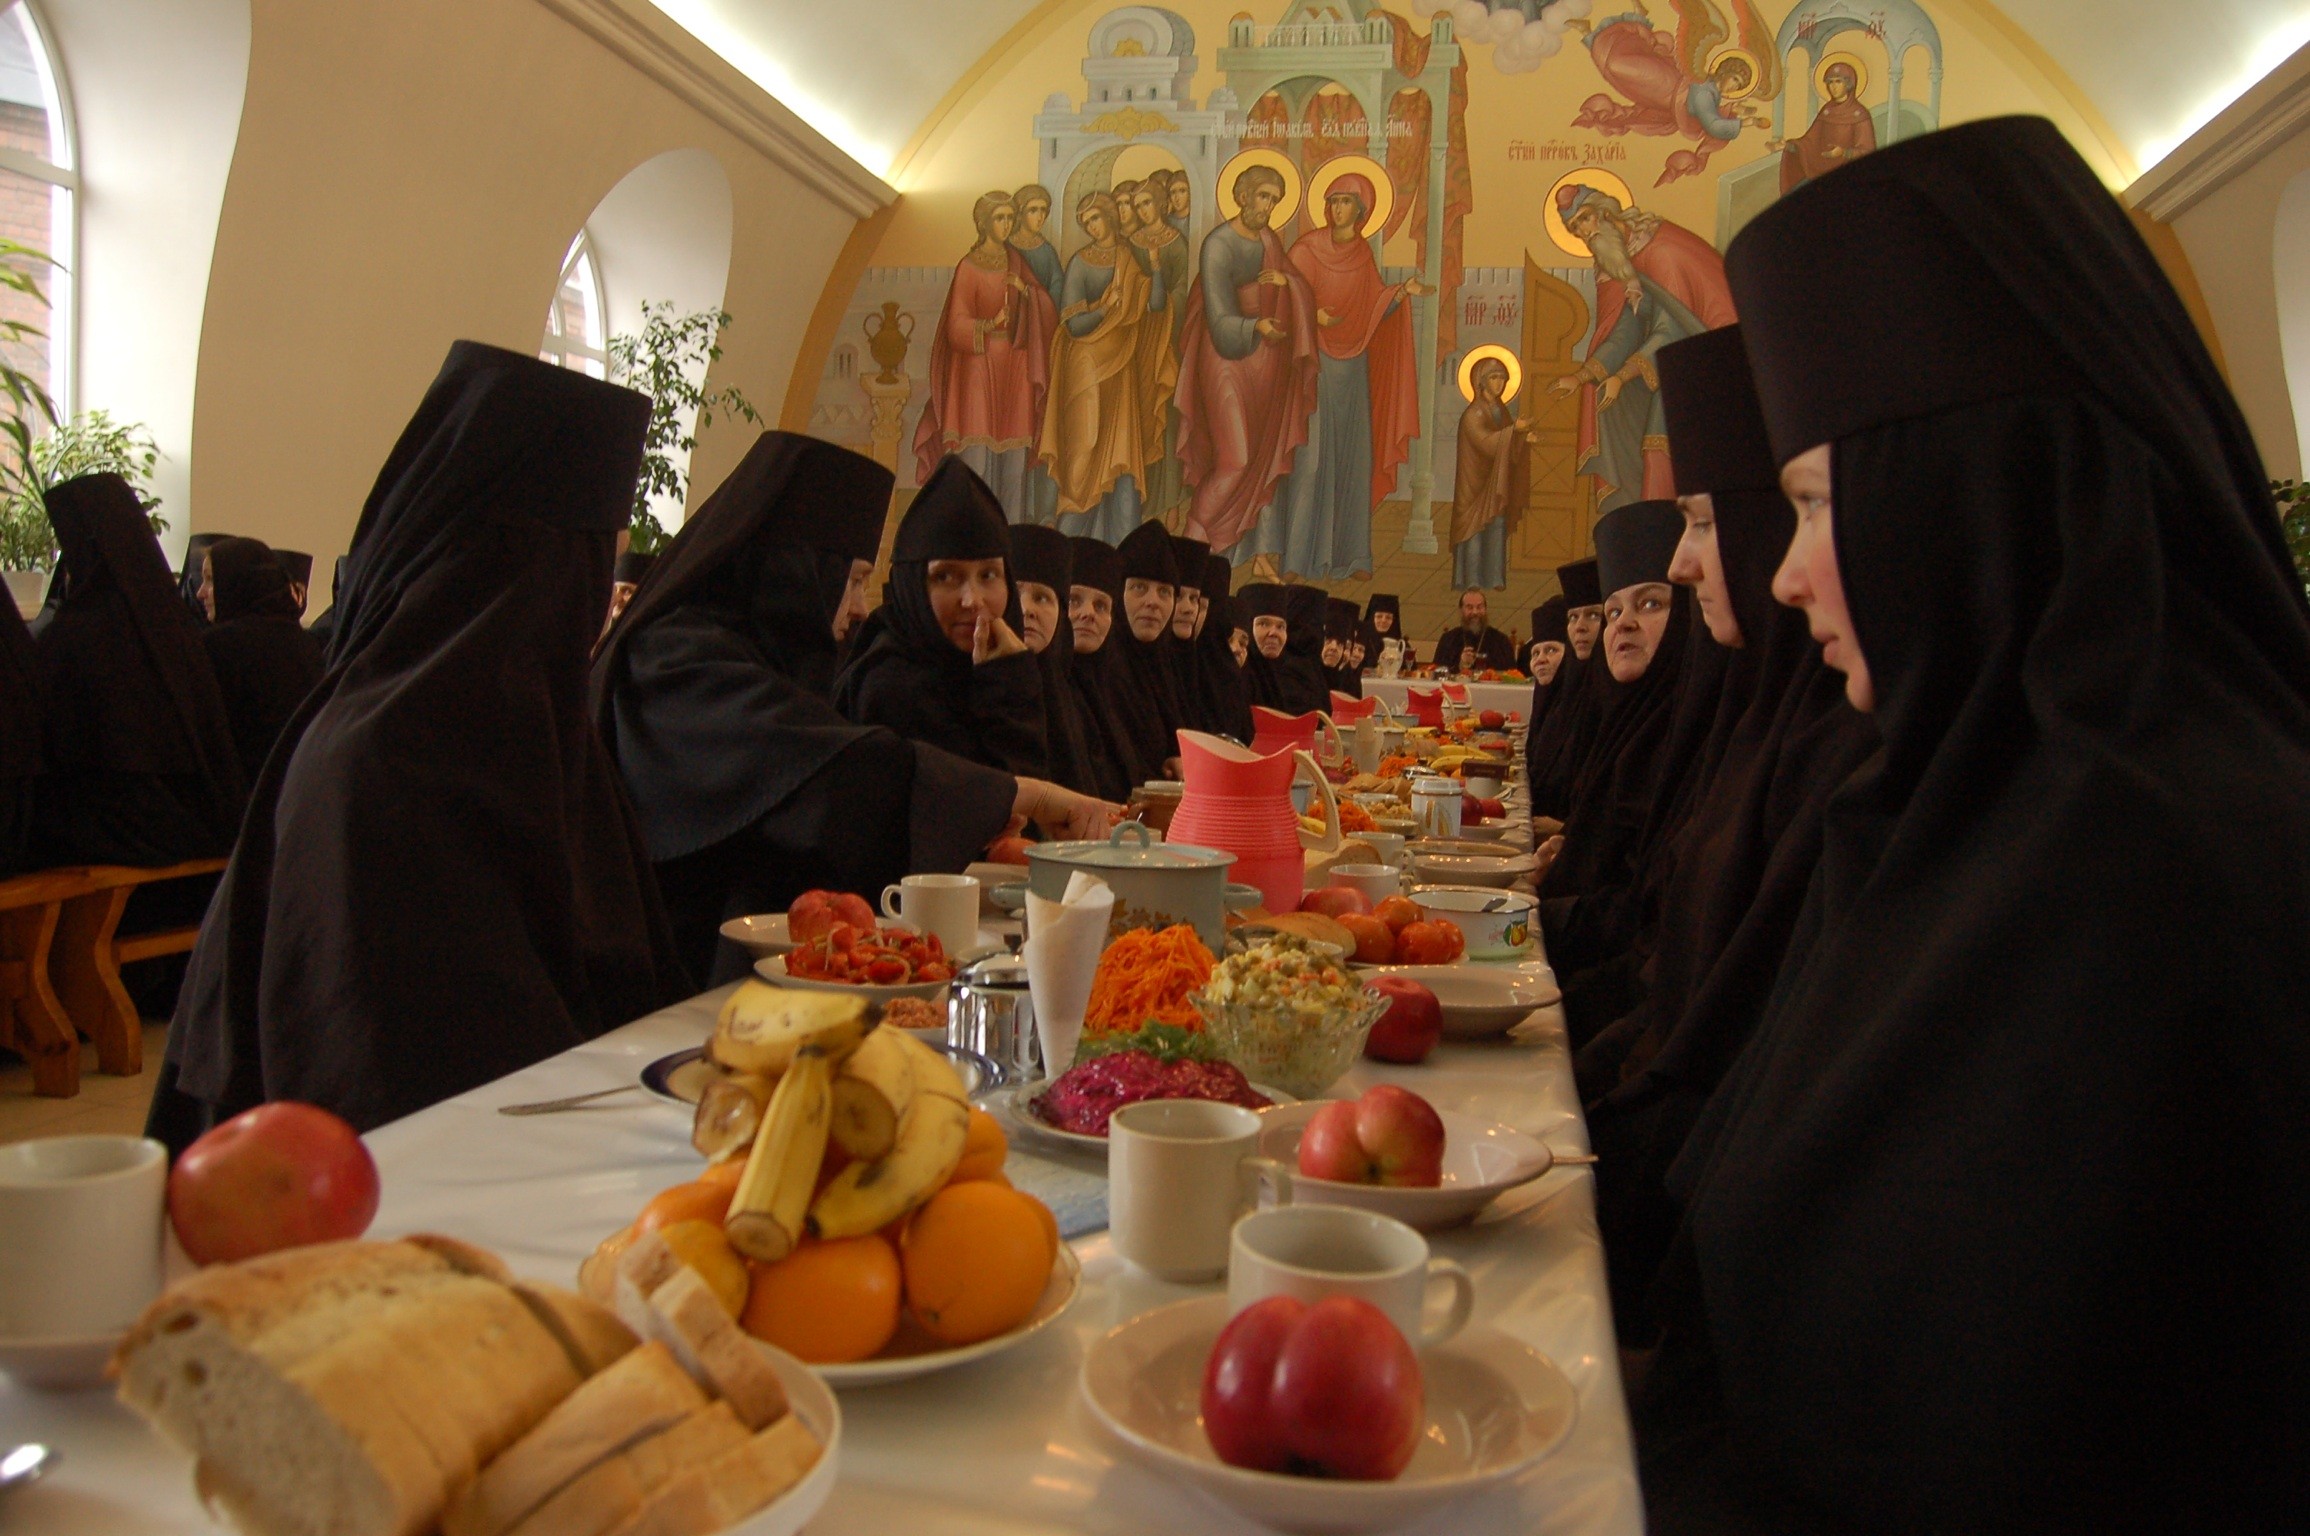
{"x":104,"y":1105}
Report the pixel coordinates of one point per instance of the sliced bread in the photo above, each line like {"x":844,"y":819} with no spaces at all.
{"x":726,"y":1490}
{"x":641,"y":1395}
{"x":612,"y":1492}
{"x":691,"y":1321}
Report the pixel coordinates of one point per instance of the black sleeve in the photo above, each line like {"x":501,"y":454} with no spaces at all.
{"x":1447,"y":658}
{"x":1007,"y":705}
{"x":1499,"y":654}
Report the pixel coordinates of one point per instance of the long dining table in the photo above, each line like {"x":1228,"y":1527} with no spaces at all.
{"x":1002,"y":1445}
{"x":1395,"y":692}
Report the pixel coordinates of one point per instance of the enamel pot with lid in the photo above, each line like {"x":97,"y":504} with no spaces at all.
{"x":1155,"y":884}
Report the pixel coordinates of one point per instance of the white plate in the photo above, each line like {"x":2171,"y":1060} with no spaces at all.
{"x":680,"y":1077}
{"x":773,"y":971}
{"x":1498,"y":870}
{"x":1494,"y":1407}
{"x":58,"y":1365}
{"x":1482,"y":1161}
{"x":1065,"y":1284}
{"x":1480,"y":998}
{"x":1485,"y":829}
{"x":1017,"y":1105}
{"x":761,"y":936}
{"x":808,"y":1398}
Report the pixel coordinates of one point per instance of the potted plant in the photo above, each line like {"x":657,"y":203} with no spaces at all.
{"x":25,"y":398}
{"x":668,"y":362}
{"x":90,"y":443}
{"x":2293,"y":498}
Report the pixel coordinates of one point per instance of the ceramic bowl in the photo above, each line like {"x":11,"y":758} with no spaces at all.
{"x":1276,"y":1045}
{"x":1494,"y":1407}
{"x":815,"y":1404}
{"x":1377,"y":882}
{"x":1480,"y":1000}
{"x":761,"y":935}
{"x":1498,"y":924}
{"x":773,"y":971}
{"x":1492,"y":868}
{"x":1484,"y":786}
{"x":1482,"y":1161}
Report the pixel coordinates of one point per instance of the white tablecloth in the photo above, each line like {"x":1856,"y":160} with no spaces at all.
{"x":1003,"y":1446}
{"x":1504,"y":697}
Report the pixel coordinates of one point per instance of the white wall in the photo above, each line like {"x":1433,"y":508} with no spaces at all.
{"x":2290,"y":270}
{"x":155,"y":89}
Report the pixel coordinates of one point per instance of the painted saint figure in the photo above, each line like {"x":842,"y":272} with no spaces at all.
{"x":1167,"y":248}
{"x":990,"y":364}
{"x":1247,"y":367}
{"x":1674,"y":88}
{"x":1033,"y":203}
{"x":1112,"y":372}
{"x":1493,"y":481}
{"x":1367,"y":408}
{"x":1842,"y":131}
{"x":1182,"y":201}
{"x":1656,"y":282}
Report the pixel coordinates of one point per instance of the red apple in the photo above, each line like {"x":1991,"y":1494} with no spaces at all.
{"x":1375,"y":940}
{"x":277,"y":1176}
{"x":1008,"y":850}
{"x":1397,"y":912}
{"x":815,"y":913}
{"x":1329,"y":1390}
{"x":1491,"y":720}
{"x":1336,"y":901}
{"x":1412,"y":1025}
{"x":1389,"y":1136}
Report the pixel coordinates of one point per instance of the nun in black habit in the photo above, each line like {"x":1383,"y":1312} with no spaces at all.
{"x":1384,"y":617}
{"x":1747,"y":851}
{"x":1544,"y":656}
{"x":325,"y":627}
{"x":1300,"y":676}
{"x":139,"y":765}
{"x":1225,"y":706}
{"x":1952,"y":1273}
{"x":1136,"y":678}
{"x":711,"y":690}
{"x":264,"y":660}
{"x":1042,"y":569}
{"x":440,"y":880}
{"x":190,"y":577}
{"x":1094,"y":610}
{"x":941,"y":660}
{"x":1187,"y":557}
{"x":1557,"y":748}
{"x":1342,"y":626}
{"x":1263,"y":605}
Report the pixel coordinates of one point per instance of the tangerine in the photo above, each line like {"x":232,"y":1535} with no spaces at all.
{"x":724,"y":1175}
{"x":697,"y":1200}
{"x":984,"y":1149}
{"x":976,"y":1259}
{"x":706,"y":1248}
{"x":827,"y":1303}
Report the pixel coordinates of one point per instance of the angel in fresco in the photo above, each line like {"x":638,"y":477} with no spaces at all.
{"x":1112,"y":372}
{"x":1690,"y":86}
{"x":990,"y":363}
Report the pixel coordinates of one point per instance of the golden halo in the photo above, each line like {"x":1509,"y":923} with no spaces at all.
{"x":1587,"y":176}
{"x":1274,"y":160}
{"x":1383,"y":189}
{"x":1756,"y":70}
{"x":1851,"y":61}
{"x":1491,"y":349}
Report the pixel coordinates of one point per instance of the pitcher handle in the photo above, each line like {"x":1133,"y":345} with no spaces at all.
{"x":1323,"y":719}
{"x":1327,"y":841}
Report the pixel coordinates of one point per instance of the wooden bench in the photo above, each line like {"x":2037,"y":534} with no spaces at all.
{"x":60,"y":959}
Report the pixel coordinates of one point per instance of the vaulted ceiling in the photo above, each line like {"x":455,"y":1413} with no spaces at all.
{"x":867,"y":74}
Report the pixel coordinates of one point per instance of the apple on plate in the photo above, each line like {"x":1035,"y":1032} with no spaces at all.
{"x":1390,"y":1136}
{"x":815,"y":913}
{"x":1375,"y":940}
{"x":1491,"y":720}
{"x":1336,"y":901}
{"x":278,"y":1176}
{"x":1329,"y":1390}
{"x":1412,"y":1025}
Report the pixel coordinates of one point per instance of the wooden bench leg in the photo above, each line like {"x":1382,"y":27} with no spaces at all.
{"x":39,"y":1027}
{"x":88,"y":980}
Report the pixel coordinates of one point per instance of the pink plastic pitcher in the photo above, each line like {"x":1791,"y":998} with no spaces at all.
{"x":1274,"y":731}
{"x":1238,"y":799}
{"x":1347,"y":711}
{"x":1426,"y":706}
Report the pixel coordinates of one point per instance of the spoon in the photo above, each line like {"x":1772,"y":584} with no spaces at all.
{"x":26,"y":1464}
{"x":556,"y":1106}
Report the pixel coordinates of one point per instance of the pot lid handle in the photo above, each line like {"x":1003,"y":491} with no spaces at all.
{"x":1146,"y":838}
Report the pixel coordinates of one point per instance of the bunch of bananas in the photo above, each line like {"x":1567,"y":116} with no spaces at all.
{"x":806,"y":1068}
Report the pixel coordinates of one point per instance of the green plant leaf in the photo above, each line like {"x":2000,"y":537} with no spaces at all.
{"x":668,"y":361}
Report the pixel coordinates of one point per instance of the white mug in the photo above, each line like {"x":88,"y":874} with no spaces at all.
{"x":80,"y":1234}
{"x":1377,"y":882}
{"x":1315,"y":1251}
{"x":945,"y":905}
{"x":1179,"y":1171}
{"x":1388,"y":845}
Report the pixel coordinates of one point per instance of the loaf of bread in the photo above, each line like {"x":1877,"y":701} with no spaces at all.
{"x":351,"y":1389}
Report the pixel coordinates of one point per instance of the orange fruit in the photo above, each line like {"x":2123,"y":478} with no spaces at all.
{"x":724,"y":1176}
{"x":984,"y":1148}
{"x":1050,"y":1230}
{"x":695,"y":1201}
{"x":976,"y":1259}
{"x":706,"y":1248}
{"x":827,"y":1302}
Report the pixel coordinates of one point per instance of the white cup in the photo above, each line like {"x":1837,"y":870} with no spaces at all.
{"x":1315,"y":1251}
{"x":1388,"y":845}
{"x":1436,"y":806}
{"x":1377,"y":881}
{"x":944,"y":905}
{"x":80,"y":1234}
{"x":1179,"y":1171}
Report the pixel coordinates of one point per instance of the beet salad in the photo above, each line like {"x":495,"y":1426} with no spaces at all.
{"x":1087,"y":1093}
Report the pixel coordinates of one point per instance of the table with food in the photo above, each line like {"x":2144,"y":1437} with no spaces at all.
{"x":1196,"y":1213}
{"x":1506,"y":695}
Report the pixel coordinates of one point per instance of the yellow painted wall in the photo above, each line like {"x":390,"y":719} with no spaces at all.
{"x":410,"y":172}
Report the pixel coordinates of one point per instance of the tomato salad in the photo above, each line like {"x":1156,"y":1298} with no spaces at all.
{"x":889,"y":957}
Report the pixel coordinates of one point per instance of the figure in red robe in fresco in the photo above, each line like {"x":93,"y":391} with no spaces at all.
{"x":990,"y":362}
{"x":1842,"y":132}
{"x":1247,"y":367}
{"x":1367,"y":398}
{"x":1672,"y":87}
{"x":1656,"y":282}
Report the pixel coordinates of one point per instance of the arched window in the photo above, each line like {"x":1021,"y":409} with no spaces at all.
{"x":576,"y":332}
{"x":36,"y":197}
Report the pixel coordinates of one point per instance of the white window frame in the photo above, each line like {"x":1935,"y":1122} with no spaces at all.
{"x":567,"y":351}
{"x":63,"y":178}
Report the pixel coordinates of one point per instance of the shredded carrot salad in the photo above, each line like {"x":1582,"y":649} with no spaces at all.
{"x":1146,"y":976}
